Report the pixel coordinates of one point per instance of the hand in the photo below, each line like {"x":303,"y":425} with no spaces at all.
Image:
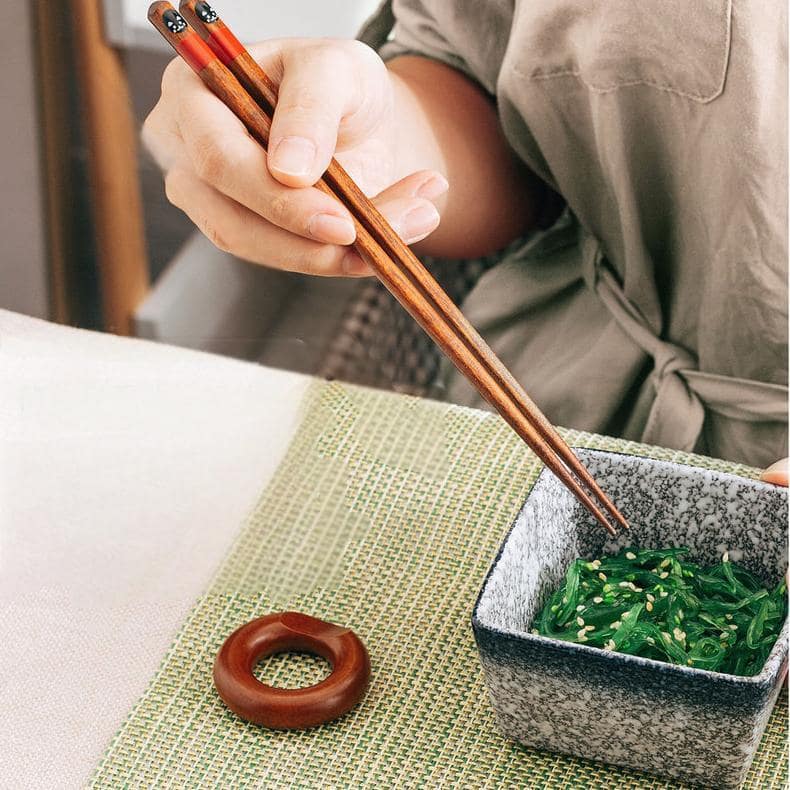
{"x":335,"y":98}
{"x":776,"y":473}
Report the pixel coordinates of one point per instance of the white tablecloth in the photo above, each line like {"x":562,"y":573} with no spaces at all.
{"x":126,"y":469}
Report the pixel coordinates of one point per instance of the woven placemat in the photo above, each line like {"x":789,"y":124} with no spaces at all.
{"x":384,"y":516}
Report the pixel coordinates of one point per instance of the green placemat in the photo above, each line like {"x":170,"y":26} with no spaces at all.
{"x":384,"y":516}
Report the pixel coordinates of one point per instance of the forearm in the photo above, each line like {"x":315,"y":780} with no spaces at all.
{"x":447,"y":123}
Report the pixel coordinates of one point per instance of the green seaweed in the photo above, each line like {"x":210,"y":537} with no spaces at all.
{"x":656,"y":604}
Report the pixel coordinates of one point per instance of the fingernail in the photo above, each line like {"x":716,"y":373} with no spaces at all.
{"x":436,"y":185}
{"x":293,"y":156}
{"x":331,"y":229}
{"x":353,"y":265}
{"x":418,"y":223}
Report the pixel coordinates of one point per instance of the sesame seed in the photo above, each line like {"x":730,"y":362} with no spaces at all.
{"x":664,"y":593}
{"x":629,"y":555}
{"x":624,"y":584}
{"x":596,"y":564}
{"x":724,"y":635}
{"x":725,"y":557}
{"x":728,"y":616}
{"x":666,"y":562}
{"x":649,"y":606}
{"x":650,"y":640}
{"x":579,"y":621}
{"x":580,"y":607}
{"x":610,"y":645}
{"x":602,"y":576}
{"x":615,"y":625}
{"x":650,"y":597}
{"x":597,"y":599}
{"x":535,"y":631}
{"x":733,"y":627}
{"x":589,"y":627}
{"x":581,"y":636}
{"x":689,"y":662}
{"x":663,"y":575}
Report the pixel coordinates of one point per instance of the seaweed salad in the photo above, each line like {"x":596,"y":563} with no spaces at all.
{"x":657,"y":604}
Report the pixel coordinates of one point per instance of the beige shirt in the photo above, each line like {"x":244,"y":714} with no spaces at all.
{"x":656,"y":307}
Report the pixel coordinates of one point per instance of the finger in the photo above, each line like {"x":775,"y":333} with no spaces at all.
{"x":235,"y":229}
{"x":428,"y":184}
{"x":407,"y":207}
{"x":370,"y":74}
{"x":160,"y":131}
{"x":318,"y":88}
{"x":225,"y":156}
{"x":777,"y":473}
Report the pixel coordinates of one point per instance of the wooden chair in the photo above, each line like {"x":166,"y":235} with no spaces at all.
{"x":112,"y":133}
{"x":111,"y":137}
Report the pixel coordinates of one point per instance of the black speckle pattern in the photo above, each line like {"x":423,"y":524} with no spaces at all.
{"x":689,"y":724}
{"x":206,"y":13}
{"x":174,"y":21}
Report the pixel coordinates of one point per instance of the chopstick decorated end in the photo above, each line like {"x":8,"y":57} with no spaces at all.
{"x":184,"y":40}
{"x":231,"y":52}
{"x":205,"y":20}
{"x":167,"y":20}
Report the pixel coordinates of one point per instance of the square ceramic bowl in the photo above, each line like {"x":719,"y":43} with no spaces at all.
{"x":689,"y":724}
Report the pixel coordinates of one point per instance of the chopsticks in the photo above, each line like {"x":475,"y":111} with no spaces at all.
{"x":231,"y":73}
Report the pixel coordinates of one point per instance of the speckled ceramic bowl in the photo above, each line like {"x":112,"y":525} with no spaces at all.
{"x":690,"y":724}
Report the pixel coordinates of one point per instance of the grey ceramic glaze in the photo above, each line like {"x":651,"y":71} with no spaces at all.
{"x":690,"y":724}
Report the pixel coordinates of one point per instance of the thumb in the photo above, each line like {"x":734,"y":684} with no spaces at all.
{"x":317,"y":91}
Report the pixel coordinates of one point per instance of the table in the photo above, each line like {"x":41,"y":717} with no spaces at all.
{"x":126,"y":472}
{"x":177,"y":445}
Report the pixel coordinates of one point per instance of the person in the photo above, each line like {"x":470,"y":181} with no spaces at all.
{"x":649,"y":302}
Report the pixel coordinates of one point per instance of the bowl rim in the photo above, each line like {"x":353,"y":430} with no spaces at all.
{"x":774,"y":662}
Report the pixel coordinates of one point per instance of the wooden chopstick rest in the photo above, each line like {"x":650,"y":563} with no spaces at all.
{"x":291,"y":709}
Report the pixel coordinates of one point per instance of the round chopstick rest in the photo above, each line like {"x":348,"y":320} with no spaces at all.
{"x":291,"y":709}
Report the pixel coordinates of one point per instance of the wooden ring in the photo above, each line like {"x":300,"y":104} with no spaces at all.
{"x":291,"y":709}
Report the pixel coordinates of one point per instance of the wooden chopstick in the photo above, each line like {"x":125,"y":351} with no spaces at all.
{"x":393,"y":262}
{"x":249,"y":73}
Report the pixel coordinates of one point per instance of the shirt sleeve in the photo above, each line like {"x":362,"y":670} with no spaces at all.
{"x":412,"y":27}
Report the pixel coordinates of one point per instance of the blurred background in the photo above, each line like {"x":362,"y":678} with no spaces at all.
{"x":89,"y":239}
